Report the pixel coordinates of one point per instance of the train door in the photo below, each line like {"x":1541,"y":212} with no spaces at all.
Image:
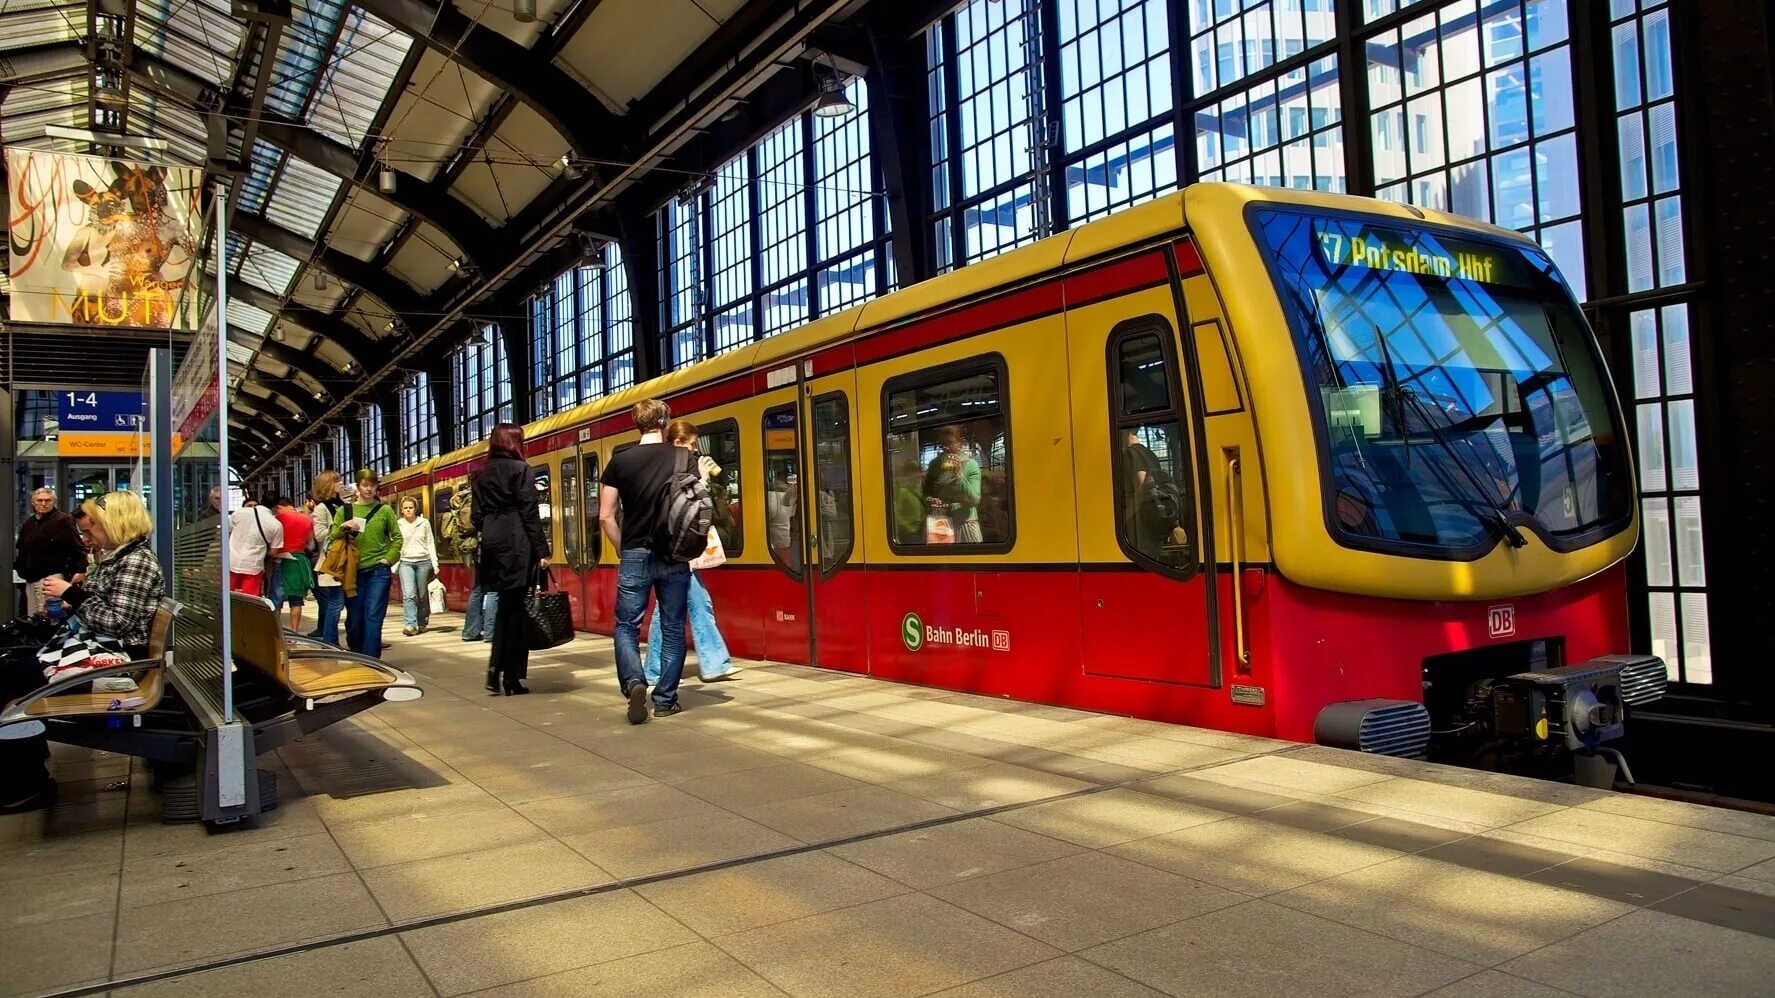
{"x":593,"y":581}
{"x":1148,"y":603}
{"x":836,"y":609}
{"x":784,"y":593}
{"x":570,"y":568}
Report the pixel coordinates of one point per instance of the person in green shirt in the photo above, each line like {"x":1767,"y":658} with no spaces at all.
{"x":952,"y":485}
{"x":378,"y":548}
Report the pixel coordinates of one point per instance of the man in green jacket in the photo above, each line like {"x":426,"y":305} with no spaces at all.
{"x":378,"y":548}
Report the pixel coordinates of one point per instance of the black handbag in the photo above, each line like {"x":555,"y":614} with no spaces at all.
{"x":548,"y":617}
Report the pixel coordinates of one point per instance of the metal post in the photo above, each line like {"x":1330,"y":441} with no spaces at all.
{"x":224,"y":616}
{"x":159,"y":451}
{"x":8,"y":512}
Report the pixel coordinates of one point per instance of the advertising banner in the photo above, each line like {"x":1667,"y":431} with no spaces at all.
{"x":102,"y":242}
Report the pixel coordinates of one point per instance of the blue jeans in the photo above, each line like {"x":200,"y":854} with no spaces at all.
{"x":274,"y":585}
{"x":415,"y":600}
{"x":474,"y":621}
{"x":640,"y":574}
{"x":365,"y":609}
{"x":332,"y":602}
{"x":712,"y":659}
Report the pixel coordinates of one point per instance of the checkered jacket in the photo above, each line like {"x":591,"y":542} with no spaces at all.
{"x":119,"y":597}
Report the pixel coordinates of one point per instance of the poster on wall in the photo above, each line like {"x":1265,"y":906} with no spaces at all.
{"x":102,"y":242}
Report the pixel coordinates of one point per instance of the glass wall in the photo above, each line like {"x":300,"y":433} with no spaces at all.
{"x":375,"y":441}
{"x":790,"y":230}
{"x":581,"y":335}
{"x":419,"y":420}
{"x":483,"y":388}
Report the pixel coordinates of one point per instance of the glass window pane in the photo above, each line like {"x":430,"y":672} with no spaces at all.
{"x":1631,"y":130}
{"x":720,"y":441}
{"x":832,"y":480}
{"x":1697,"y":644}
{"x":1664,"y":159}
{"x":949,"y":461}
{"x":1665,"y":645}
{"x":1684,"y":471}
{"x":1671,"y":266}
{"x":782,"y":489}
{"x":1655,"y":528}
{"x":1690,"y":561}
{"x":1645,"y":354}
{"x":1677,"y":379}
{"x":1626,"y":66}
{"x":1651,"y":448}
{"x":570,"y":519}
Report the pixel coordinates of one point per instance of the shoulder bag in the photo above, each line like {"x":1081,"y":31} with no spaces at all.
{"x":548,"y":617}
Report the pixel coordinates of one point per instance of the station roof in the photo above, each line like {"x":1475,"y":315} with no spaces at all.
{"x":399,"y":170}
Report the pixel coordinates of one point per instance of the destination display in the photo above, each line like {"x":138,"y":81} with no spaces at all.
{"x":1425,"y":254}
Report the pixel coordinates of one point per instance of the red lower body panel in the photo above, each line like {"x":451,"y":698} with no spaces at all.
{"x":1044,"y":636}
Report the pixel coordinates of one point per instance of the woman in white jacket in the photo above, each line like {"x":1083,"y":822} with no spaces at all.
{"x":419,"y":563}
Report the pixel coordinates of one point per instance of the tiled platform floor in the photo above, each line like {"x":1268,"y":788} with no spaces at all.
{"x":538,"y":845}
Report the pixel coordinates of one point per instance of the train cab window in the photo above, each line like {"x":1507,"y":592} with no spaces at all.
{"x":720,"y":440}
{"x":782,"y":489}
{"x":949,"y":459}
{"x":1154,"y":509}
{"x":832,"y":480}
{"x":570,"y":520}
{"x":443,"y":500}
{"x":589,"y":498}
{"x":545,"y":499}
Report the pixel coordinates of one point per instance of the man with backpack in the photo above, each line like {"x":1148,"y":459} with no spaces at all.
{"x":654,"y":506}
{"x":460,"y":534}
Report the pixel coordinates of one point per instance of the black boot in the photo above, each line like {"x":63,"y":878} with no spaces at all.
{"x":492,"y":680}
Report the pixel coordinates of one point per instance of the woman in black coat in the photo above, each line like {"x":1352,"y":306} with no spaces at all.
{"x":513,"y":544}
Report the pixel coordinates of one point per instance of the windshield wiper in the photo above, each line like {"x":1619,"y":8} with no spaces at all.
{"x":1499,"y":518}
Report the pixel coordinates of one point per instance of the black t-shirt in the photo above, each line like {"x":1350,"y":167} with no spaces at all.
{"x":641,"y":475}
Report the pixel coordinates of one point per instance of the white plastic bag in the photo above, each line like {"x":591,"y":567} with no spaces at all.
{"x":436,"y":591}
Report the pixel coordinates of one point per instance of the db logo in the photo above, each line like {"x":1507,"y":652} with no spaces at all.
{"x":1501,"y":621}
{"x":1001,"y":640}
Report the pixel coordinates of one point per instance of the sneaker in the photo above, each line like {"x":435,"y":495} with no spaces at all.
{"x":659,"y":711}
{"x":471,"y":637}
{"x":730,"y":674}
{"x":637,"y":702}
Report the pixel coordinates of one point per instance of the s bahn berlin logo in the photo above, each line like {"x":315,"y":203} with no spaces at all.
{"x":915,"y":634}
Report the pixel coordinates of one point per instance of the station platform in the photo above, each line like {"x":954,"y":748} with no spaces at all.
{"x":810,"y":833}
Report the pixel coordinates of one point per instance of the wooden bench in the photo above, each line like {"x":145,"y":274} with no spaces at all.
{"x":73,"y":697}
{"x":312,"y":671}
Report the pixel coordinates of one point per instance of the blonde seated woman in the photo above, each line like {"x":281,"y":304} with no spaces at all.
{"x":113,"y":608}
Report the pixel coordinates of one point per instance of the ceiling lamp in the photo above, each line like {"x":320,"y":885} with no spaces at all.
{"x":833,"y":103}
{"x":385,"y":179}
{"x":524,"y":11}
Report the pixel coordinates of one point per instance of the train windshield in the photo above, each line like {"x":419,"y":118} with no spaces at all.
{"x":1460,"y":397}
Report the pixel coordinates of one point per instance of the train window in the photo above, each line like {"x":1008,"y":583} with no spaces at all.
{"x":443,"y":504}
{"x":720,"y":440}
{"x":949,"y":459}
{"x":594,"y":529}
{"x":570,"y":522}
{"x":782,"y":489}
{"x":545,"y":499}
{"x":832,"y":480}
{"x":1154,"y":509}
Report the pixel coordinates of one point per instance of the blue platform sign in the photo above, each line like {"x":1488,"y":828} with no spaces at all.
{"x":106,"y":412}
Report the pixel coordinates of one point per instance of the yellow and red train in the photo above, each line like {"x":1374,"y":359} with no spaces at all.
{"x":1230,"y":458}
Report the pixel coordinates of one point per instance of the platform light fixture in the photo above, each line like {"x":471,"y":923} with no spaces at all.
{"x":524,"y":11}
{"x":832,"y":103}
{"x":385,"y":179}
{"x":320,"y":280}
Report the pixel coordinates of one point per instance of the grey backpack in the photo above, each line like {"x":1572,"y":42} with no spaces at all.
{"x":684,"y":530}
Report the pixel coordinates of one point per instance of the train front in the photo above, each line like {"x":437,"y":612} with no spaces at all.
{"x":1452,"y":492}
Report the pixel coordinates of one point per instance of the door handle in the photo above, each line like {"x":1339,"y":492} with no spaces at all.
{"x":1235,"y":514}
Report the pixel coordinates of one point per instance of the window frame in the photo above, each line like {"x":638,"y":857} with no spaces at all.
{"x":572,"y":526}
{"x":793,"y":407}
{"x":1119,"y":335}
{"x":992,"y":361}
{"x":548,"y":529}
{"x":850,"y":548}
{"x":730,"y":424}
{"x":438,"y":511}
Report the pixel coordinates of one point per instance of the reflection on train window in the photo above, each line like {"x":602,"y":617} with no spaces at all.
{"x":570,"y":521}
{"x":782,"y":489}
{"x":1154,"y":512}
{"x":545,"y":499}
{"x":948,"y":454}
{"x":443,"y":503}
{"x":720,"y":440}
{"x":589,"y":495}
{"x":832,"y":480}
